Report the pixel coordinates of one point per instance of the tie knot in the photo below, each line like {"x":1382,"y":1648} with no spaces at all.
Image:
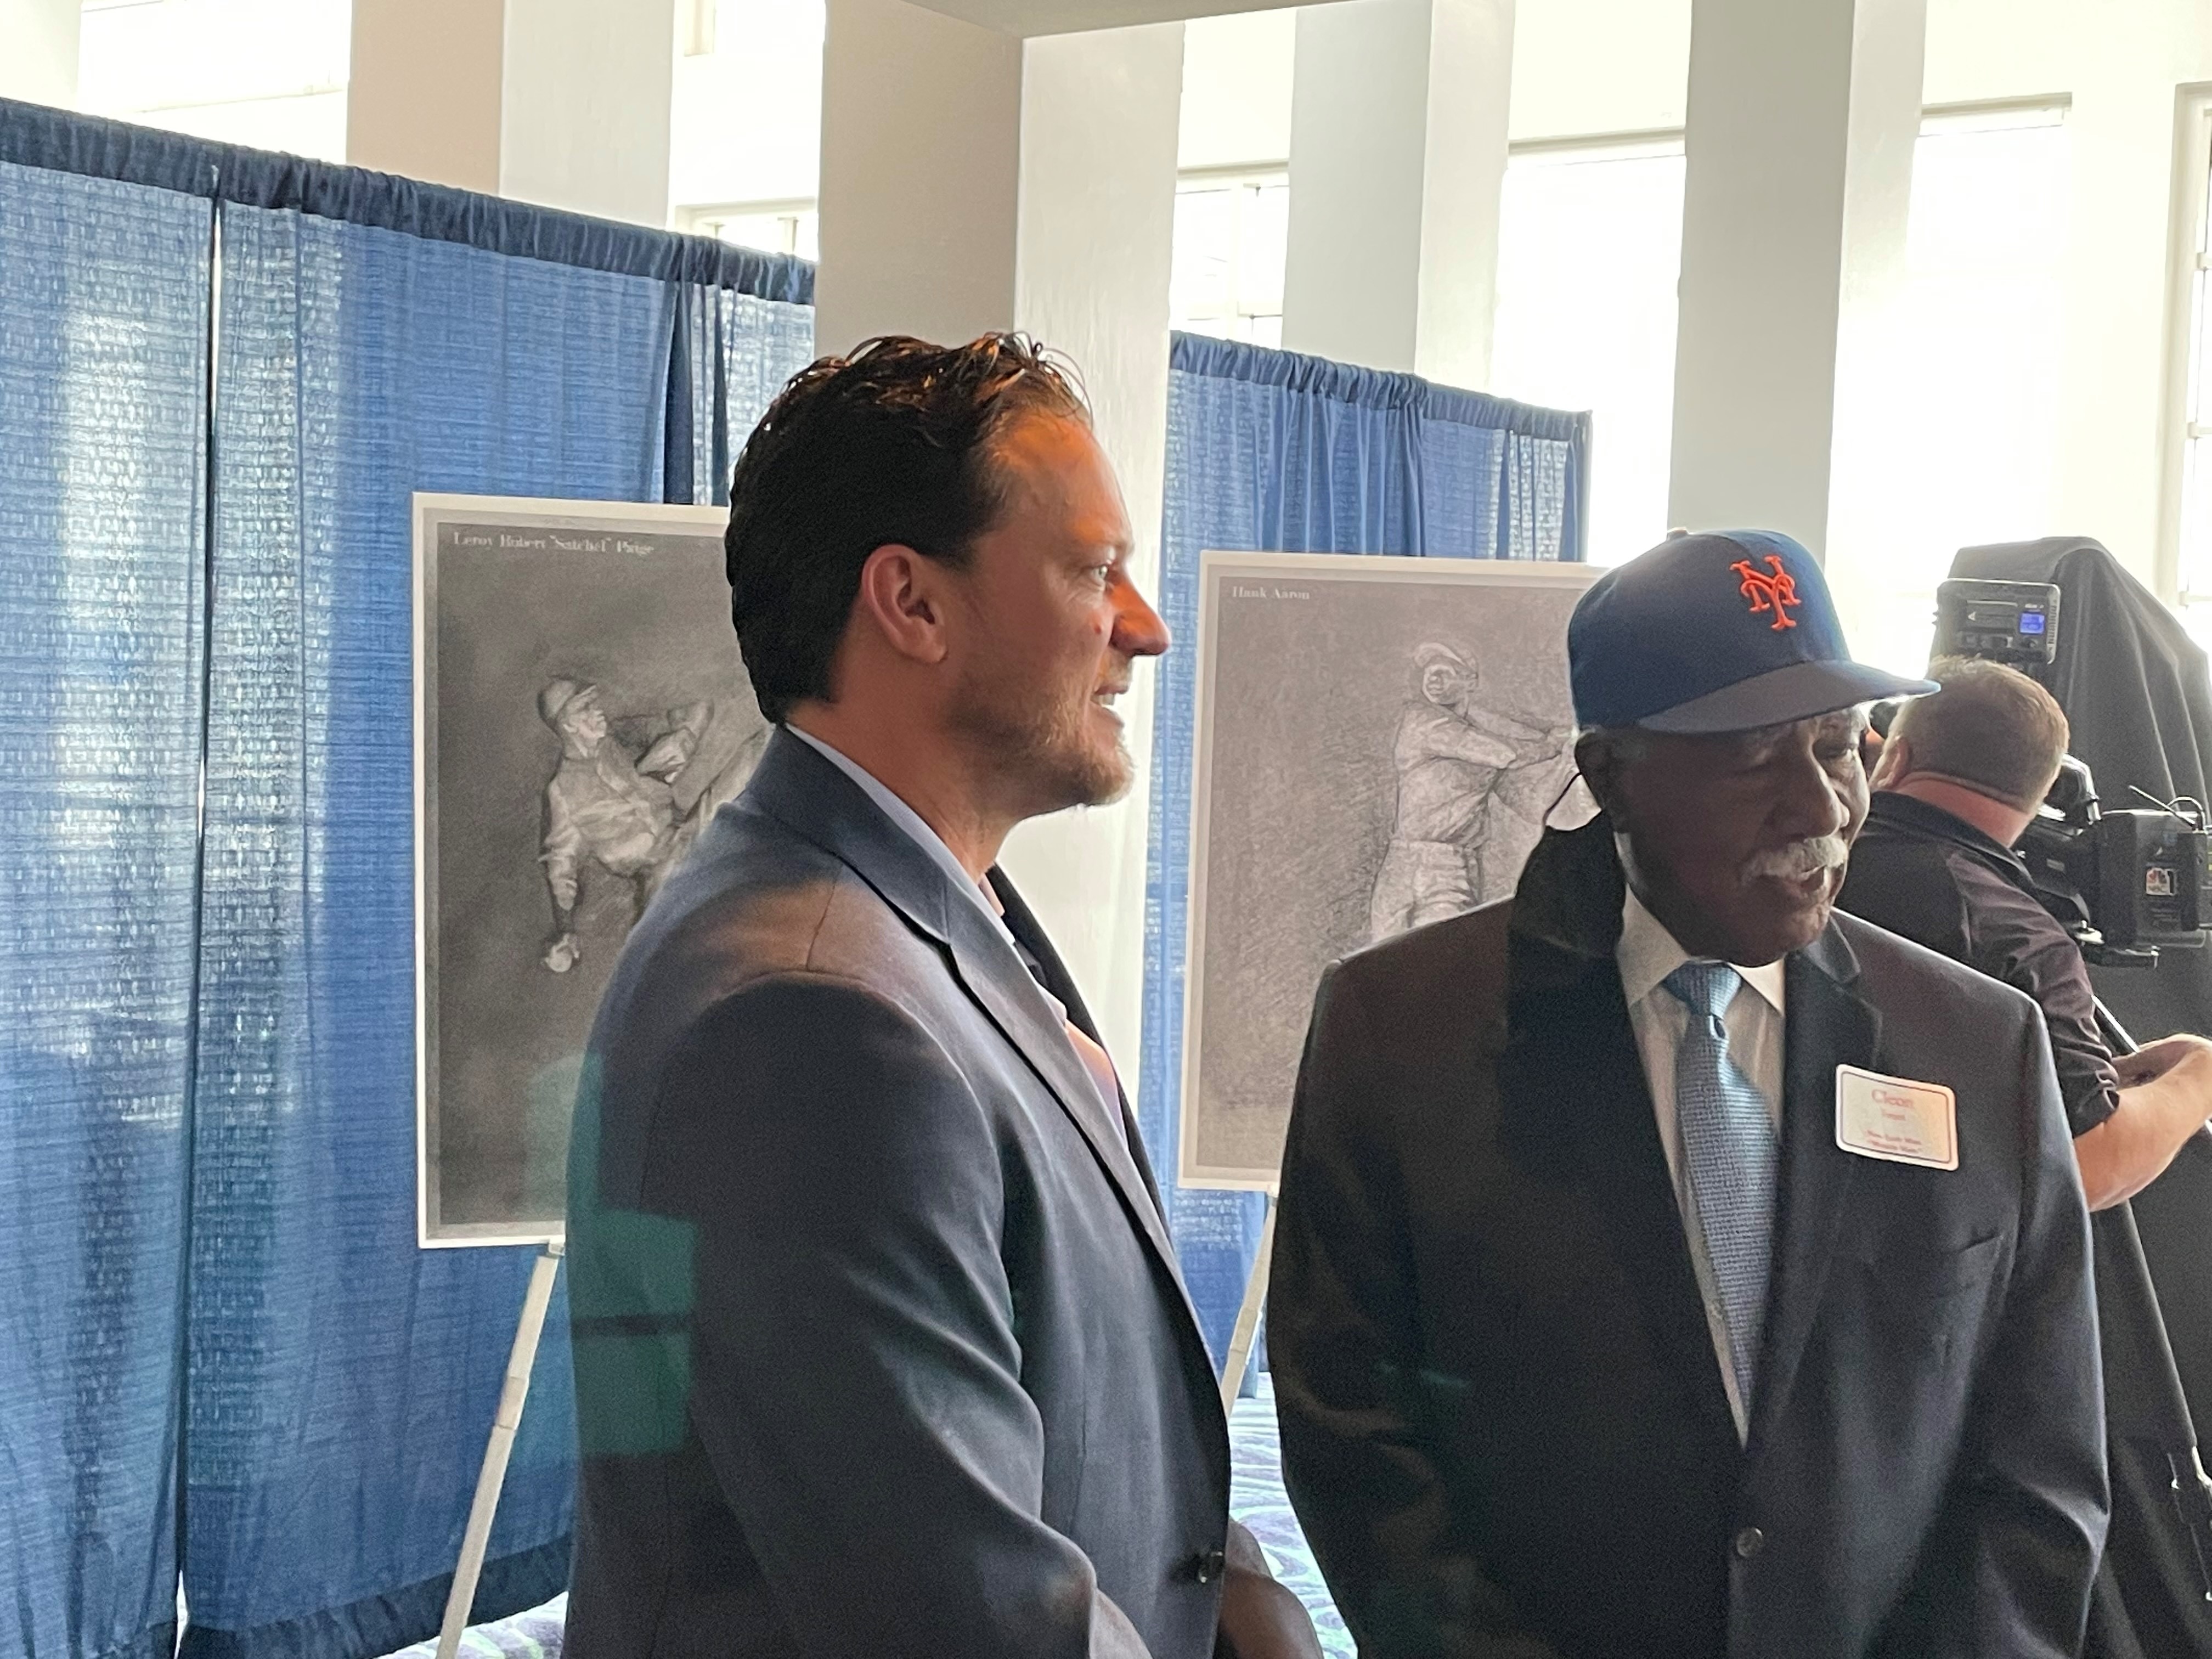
{"x":1707,"y":987}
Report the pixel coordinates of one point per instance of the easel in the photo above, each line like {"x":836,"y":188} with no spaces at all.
{"x":493,"y":1475}
{"x":1247,"y":1328}
{"x":477,"y":1537}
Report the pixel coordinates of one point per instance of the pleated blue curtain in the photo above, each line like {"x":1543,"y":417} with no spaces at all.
{"x":735,"y":347}
{"x":208,"y":1197}
{"x":103,"y":372}
{"x":1273,"y":451}
{"x":340,"y":1376}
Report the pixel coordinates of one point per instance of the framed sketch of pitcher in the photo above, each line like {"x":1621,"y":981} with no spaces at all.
{"x":581,"y":710}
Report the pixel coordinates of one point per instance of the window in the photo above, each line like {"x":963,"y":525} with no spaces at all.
{"x":744,"y":117}
{"x":771,"y":227}
{"x":1960,"y":425}
{"x":1953,"y":442}
{"x":700,"y":33}
{"x":1589,"y":245}
{"x":1228,"y":251}
{"x":2189,"y":451}
{"x":268,"y":73}
{"x":1961,"y":421}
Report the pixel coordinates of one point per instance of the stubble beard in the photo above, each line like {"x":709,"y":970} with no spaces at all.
{"x":1044,"y":751}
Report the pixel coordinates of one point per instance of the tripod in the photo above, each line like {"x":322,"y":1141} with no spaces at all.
{"x":2146,"y":1414}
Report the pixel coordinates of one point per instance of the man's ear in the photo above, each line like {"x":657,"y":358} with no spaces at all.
{"x":902,"y":600}
{"x":1600,"y":763}
{"x":1894,"y":765}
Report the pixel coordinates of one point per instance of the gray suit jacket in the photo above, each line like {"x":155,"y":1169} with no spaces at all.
{"x":880,"y":1345}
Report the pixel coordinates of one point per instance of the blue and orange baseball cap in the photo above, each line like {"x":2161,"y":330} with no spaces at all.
{"x":1719,"y":631}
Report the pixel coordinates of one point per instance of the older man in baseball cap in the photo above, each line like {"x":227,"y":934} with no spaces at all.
{"x":1668,"y":1267}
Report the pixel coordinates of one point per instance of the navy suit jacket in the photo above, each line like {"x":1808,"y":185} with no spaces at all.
{"x":880,"y":1345}
{"x":1504,"y":1425}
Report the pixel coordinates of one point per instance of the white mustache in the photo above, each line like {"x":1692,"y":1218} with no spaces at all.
{"x":1798,"y":859}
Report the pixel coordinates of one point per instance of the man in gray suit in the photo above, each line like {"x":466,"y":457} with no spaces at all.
{"x":881,"y":1348}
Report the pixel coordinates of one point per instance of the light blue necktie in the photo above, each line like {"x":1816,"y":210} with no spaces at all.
{"x":1727,"y":1139}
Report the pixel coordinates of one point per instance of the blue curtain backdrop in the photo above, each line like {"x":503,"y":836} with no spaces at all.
{"x":103,"y":381}
{"x":1271,"y":451}
{"x":248,"y":1318}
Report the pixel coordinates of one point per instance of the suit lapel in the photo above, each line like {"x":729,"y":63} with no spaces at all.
{"x":1571,"y":1076}
{"x":1022,"y":923}
{"x":995,"y":976}
{"x":806,"y":793}
{"x":1827,"y":1025}
{"x":1578,"y":1068}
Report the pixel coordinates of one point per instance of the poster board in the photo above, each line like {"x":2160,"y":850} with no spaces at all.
{"x":1376,"y":745}
{"x":581,"y":709}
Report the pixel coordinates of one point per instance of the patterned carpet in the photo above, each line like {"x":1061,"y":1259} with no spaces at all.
{"x":1255,"y":1497}
{"x":533,"y":1635}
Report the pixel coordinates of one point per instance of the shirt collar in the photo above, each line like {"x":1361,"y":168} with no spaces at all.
{"x":1648,"y":953}
{"x":915,"y":826}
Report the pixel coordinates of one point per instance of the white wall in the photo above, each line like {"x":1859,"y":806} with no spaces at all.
{"x":1237,"y":89}
{"x":585,"y":106}
{"x":744,"y":119}
{"x":39,"y":51}
{"x":269,"y":73}
{"x":1582,"y":67}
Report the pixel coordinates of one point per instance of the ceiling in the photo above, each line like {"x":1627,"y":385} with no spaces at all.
{"x":1069,"y":16}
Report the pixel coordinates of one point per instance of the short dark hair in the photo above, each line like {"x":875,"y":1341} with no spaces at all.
{"x":1990,"y":727}
{"x":893,"y":444}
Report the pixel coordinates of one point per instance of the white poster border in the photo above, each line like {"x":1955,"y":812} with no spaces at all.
{"x":430,"y":510}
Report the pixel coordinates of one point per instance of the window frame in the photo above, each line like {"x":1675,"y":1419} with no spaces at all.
{"x":707,"y":218}
{"x":1242,"y":175}
{"x":2190,"y":222}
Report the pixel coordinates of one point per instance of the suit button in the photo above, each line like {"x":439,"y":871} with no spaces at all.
{"x":1749,"y":1542}
{"x":1209,"y":1566}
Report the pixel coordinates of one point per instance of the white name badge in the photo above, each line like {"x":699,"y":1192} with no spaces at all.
{"x":1896,"y":1119}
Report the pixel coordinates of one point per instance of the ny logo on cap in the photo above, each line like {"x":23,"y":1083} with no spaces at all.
{"x":1775,"y":590}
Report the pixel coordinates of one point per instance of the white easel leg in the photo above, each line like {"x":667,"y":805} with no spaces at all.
{"x":1248,"y":1316}
{"x":493,"y":1475}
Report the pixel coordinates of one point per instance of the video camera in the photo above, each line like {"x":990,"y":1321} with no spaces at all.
{"x":2124,"y":882}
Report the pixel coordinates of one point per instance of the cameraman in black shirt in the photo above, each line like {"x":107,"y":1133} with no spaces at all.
{"x":1957,"y":784}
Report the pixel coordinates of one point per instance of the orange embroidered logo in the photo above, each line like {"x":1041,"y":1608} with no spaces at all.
{"x":1769,"y":590}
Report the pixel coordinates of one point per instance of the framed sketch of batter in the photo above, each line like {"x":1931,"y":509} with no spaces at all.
{"x":1378,"y":743}
{"x":581,"y":710}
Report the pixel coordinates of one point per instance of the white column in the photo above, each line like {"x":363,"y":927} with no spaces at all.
{"x":38,"y":50}
{"x":972,"y":181}
{"x":584,"y":105}
{"x":921,"y":135}
{"x":422,"y":97}
{"x":1801,"y":130}
{"x":1099,"y":120}
{"x":1398,"y":132}
{"x":2121,"y":135}
{"x":564,"y":103}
